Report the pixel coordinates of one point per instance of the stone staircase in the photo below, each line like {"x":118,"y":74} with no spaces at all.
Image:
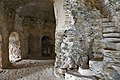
{"x":111,"y":49}
{"x":111,"y":37}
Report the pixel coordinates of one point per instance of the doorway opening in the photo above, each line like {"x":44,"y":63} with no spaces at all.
{"x":47,"y":47}
{"x":14,"y":47}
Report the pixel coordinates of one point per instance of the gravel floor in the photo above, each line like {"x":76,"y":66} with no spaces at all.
{"x":29,"y":70}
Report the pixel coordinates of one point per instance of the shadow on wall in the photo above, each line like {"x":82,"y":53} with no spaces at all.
{"x":14,"y":47}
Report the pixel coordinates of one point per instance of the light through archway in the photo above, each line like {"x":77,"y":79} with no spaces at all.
{"x":14,"y":47}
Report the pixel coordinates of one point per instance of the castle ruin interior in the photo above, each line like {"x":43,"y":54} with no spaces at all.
{"x":59,"y":39}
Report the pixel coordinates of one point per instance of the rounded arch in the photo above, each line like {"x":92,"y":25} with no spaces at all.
{"x":46,"y":46}
{"x":45,"y":38}
{"x":14,"y":47}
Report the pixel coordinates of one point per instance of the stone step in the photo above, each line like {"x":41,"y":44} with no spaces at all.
{"x":108,"y":24}
{"x":111,"y":35}
{"x":111,"y":30}
{"x":112,"y":40}
{"x":86,"y":72}
{"x":96,"y":67}
{"x":91,"y":62}
{"x":109,"y":51}
{"x":74,"y":75}
{"x":111,"y":46}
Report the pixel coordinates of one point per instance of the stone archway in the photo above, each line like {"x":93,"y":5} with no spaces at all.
{"x":46,"y":46}
{"x":14,"y":47}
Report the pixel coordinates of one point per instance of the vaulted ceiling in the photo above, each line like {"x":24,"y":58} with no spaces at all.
{"x":37,"y":9}
{"x":18,"y":3}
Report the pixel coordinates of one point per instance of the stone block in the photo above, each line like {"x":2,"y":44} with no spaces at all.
{"x":73,"y":75}
{"x":108,"y":24}
{"x":112,"y":40}
{"x":86,"y":72}
{"x":62,"y":71}
{"x":111,"y":35}
{"x":109,"y":46}
{"x":110,"y":30}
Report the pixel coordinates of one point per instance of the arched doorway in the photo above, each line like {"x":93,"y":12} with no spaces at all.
{"x":47,"y":47}
{"x":14,"y":47}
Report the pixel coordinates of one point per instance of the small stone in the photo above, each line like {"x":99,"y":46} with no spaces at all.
{"x":62,"y":71}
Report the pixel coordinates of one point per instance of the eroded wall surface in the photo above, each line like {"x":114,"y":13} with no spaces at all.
{"x":84,"y":33}
{"x":82,"y":27}
{"x":25,"y":18}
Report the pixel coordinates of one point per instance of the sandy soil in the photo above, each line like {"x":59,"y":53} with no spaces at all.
{"x":29,"y":70}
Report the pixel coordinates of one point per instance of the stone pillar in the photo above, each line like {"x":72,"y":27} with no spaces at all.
{"x":4,"y":53}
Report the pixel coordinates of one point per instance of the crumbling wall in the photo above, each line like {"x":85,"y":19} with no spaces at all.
{"x":80,"y":29}
{"x":5,"y":24}
{"x":83,"y":33}
{"x":112,"y":57}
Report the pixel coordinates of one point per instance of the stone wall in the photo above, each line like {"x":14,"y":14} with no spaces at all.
{"x":13,"y":20}
{"x":34,"y":27}
{"x":80,"y":31}
{"x":83,"y":33}
{"x":112,"y":57}
{"x":81,"y":28}
{"x":5,"y":25}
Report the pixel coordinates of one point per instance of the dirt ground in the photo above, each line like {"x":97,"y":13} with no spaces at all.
{"x":30,"y":70}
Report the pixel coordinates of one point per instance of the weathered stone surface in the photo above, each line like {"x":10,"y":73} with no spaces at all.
{"x":62,"y":71}
{"x":112,"y":35}
{"x":83,"y":27}
{"x":111,"y":29}
{"x":29,"y":17}
{"x":97,"y":68}
{"x":111,"y":72}
{"x":72,"y":75}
